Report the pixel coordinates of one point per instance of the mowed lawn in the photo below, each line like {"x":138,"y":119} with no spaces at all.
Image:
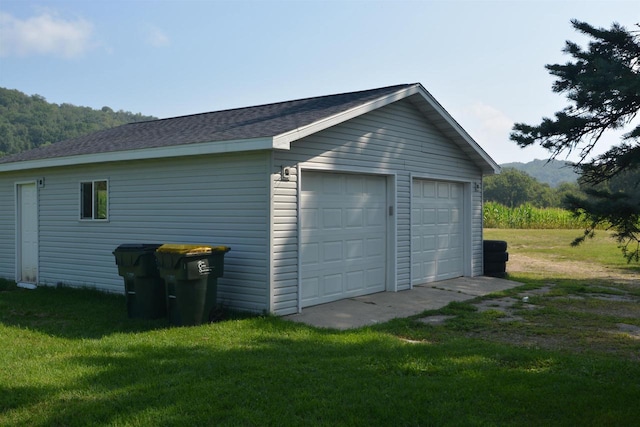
{"x":72,"y":357}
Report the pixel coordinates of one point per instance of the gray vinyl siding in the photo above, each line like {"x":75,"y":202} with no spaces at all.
{"x":396,"y":139}
{"x":285,"y":243}
{"x":214,"y":200}
{"x":477,"y":225}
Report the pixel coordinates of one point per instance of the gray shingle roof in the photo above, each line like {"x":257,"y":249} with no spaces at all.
{"x":227,"y":125}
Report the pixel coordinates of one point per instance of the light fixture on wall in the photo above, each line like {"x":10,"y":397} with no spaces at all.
{"x":477,"y":186}
{"x":41,"y":182}
{"x":285,"y":173}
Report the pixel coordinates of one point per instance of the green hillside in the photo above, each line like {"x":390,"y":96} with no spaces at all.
{"x":28,"y":122}
{"x":552,"y":172}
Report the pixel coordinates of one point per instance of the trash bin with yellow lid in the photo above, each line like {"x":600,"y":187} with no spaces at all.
{"x":190,"y":272}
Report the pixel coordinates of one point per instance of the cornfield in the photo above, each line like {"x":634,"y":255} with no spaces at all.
{"x":526,"y":216}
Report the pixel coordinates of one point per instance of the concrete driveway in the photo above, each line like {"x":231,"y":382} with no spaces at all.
{"x":381,"y":307}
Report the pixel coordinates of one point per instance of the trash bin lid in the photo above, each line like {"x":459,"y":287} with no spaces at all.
{"x":138,"y":247}
{"x":220,"y":249}
{"x":184,"y":249}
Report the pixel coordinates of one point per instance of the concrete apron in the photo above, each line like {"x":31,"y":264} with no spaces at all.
{"x":381,"y":307}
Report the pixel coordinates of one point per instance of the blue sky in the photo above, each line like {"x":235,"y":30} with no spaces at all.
{"x":482,"y":60}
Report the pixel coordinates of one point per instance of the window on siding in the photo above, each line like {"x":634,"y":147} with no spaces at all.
{"x":94,"y":201}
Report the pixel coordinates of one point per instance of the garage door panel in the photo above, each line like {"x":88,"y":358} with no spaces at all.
{"x":355,"y":280}
{"x":375,"y":278}
{"x":355,"y":185}
{"x":355,"y":217}
{"x":428,"y":217}
{"x":332,"y":218}
{"x":443,"y":190}
{"x":375,"y":247}
{"x":375,"y":185}
{"x":332,"y":251}
{"x":309,"y":219}
{"x":376,"y":216}
{"x":427,"y":189}
{"x":455,"y":215}
{"x":344,"y":244}
{"x":455,"y":241}
{"x":443,"y":244}
{"x":332,"y":284}
{"x":311,"y":290}
{"x":444,"y":217}
{"x":310,"y":254}
{"x":456,"y":192}
{"x":436,"y":231}
{"x":355,"y":249}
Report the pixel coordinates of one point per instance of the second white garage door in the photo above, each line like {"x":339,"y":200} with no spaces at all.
{"x":436,"y":231}
{"x":343,"y":236}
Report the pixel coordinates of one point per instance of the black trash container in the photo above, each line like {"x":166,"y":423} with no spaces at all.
{"x":144,"y":288}
{"x":191,"y":273}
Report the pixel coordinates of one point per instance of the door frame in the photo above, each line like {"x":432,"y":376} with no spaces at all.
{"x":18,"y":233}
{"x":391,"y":225}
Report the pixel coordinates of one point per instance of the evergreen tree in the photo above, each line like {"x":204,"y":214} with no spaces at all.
{"x":602,"y":85}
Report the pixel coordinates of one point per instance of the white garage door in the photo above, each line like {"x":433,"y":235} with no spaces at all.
{"x":343,"y":240}
{"x":436,"y":231}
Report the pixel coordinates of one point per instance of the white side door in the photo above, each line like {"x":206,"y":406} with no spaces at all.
{"x":27,"y":233}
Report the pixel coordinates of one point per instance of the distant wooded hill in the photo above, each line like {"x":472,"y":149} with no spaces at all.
{"x":28,"y":122}
{"x":553,"y":172}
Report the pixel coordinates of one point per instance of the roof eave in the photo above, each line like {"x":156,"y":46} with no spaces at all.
{"x":202,"y":148}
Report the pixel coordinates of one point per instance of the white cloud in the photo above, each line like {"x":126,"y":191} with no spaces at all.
{"x":492,"y":119}
{"x":490,"y":127}
{"x":156,"y":37}
{"x":45,"y":34}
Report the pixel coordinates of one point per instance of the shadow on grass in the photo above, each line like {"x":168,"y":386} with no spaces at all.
{"x":282,"y":373}
{"x":70,"y":313}
{"x":267,"y":371}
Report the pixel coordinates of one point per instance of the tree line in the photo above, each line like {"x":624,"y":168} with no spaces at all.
{"x":513,"y":188}
{"x":28,"y":122}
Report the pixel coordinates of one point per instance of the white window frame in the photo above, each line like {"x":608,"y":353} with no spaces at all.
{"x":93,"y":183}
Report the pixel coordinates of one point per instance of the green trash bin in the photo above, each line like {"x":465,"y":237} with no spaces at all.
{"x":144,"y":288}
{"x":190,"y":273}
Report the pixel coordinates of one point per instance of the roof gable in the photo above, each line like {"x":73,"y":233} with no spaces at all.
{"x":269,"y":126}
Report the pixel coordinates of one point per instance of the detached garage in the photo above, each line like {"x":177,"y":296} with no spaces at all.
{"x":320,"y":199}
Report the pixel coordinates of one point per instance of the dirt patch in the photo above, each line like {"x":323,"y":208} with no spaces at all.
{"x":501,"y":305}
{"x":597,"y":311}
{"x":560,"y":329}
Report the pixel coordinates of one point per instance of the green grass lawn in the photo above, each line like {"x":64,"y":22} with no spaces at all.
{"x":72,"y":357}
